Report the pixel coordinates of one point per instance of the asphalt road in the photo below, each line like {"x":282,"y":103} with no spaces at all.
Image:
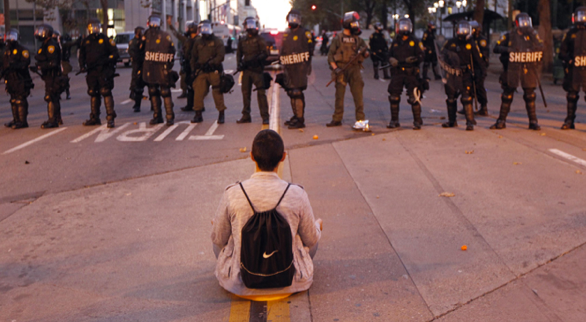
{"x":114,"y":226}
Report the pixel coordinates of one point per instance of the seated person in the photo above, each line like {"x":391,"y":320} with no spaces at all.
{"x":264,"y":188}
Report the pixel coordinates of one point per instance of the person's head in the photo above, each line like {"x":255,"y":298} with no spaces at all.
{"x":378,"y":27}
{"x":431,"y":26}
{"x":523,"y":23}
{"x":154,"y":22}
{"x":94,"y":27}
{"x":352,"y":22}
{"x":294,"y":19}
{"x":462,"y":30}
{"x":267,"y":150}
{"x":205,"y":29}
{"x":12,"y":36}
{"x":476,"y":28}
{"x":43,"y":32}
{"x":192,"y":30}
{"x":404,"y":27}
{"x":138,"y":32}
{"x":251,"y":26}
{"x":579,"y":17}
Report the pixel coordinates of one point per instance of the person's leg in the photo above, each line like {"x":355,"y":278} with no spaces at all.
{"x":95,"y":100}
{"x":246,"y":96}
{"x":572,"y":98}
{"x":261,"y":96}
{"x":339,"y":102}
{"x":214,"y":80}
{"x":479,"y":78}
{"x":410,"y":83}
{"x":200,"y":89}
{"x":356,"y":88}
{"x":529,"y":97}
{"x":375,"y":64}
{"x":506,"y":100}
{"x":452,"y":105}
{"x":168,"y":101}
{"x":155,"y":96}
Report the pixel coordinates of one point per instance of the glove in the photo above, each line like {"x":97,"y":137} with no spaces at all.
{"x":393,"y":61}
{"x":338,"y":71}
{"x":242,"y":66}
{"x":197,"y":66}
{"x":411,"y":60}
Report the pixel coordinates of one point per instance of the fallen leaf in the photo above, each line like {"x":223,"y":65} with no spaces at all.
{"x":377,"y":197}
{"x":517,"y":163}
{"x":135,"y":123}
{"x":386,"y":139}
{"x":464,"y":247}
{"x":542,"y":134}
{"x":470,"y":152}
{"x":447,"y":194}
{"x":26,"y":162}
{"x":301,"y":130}
{"x":243,"y":149}
{"x":500,"y":136}
{"x":372,"y":134}
{"x":315,"y":137}
{"x":442,"y":117}
{"x":578,"y":172}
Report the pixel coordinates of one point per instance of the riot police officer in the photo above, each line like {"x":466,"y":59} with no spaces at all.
{"x":480,"y":69}
{"x":430,"y":58}
{"x":136,"y":52}
{"x":251,"y":56}
{"x":405,"y":55}
{"x":16,"y":61}
{"x":97,"y":57}
{"x":207,"y":55}
{"x":66,"y":44}
{"x":521,"y":54}
{"x":573,"y":54}
{"x":48,"y":63}
{"x":468,"y":57}
{"x":347,"y":52}
{"x":192,"y":32}
{"x":158,"y":71}
{"x":379,"y":50}
{"x":296,"y":56}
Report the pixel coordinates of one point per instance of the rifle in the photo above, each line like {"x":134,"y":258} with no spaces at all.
{"x":355,"y":58}
{"x":473,"y":82}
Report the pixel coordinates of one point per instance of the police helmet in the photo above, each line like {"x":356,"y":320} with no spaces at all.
{"x":523,"y":20}
{"x":294,"y":18}
{"x":94,"y":27}
{"x":476,"y":27}
{"x":56,"y":34}
{"x":579,"y":17}
{"x":192,"y":28}
{"x":205,"y":28}
{"x":154,"y":21}
{"x":12,"y":35}
{"x":431,"y":26}
{"x":43,"y":32}
{"x":463,"y":29}
{"x":378,"y":26}
{"x":251,"y":26}
{"x":404,"y":26}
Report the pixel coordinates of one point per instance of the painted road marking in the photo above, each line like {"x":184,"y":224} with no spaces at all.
{"x":142,"y":128}
{"x":173,"y":127}
{"x":126,"y":102}
{"x":568,"y":156}
{"x":240,"y":311}
{"x":275,"y":110}
{"x":176,"y":90}
{"x":209,"y":134}
{"x":42,"y":137}
{"x":103,"y":131}
{"x":278,"y":310}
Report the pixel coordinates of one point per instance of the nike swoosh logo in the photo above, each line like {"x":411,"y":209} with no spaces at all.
{"x":265,"y":256}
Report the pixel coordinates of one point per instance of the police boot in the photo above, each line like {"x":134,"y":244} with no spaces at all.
{"x":183,"y":94}
{"x":169,"y":110}
{"x":506,"y":100}
{"x":386,"y":73}
{"x":394,"y":113}
{"x":51,"y":122}
{"x":67,"y":94}
{"x":198,"y":118}
{"x":291,"y":120}
{"x":95,"y":112}
{"x":137,"y":102}
{"x":22,"y":115}
{"x":14,"y":115}
{"x":452,"y":105}
{"x":58,"y":118}
{"x":221,"y":117}
{"x":189,"y":106}
{"x":435,"y":74}
{"x":483,"y":111}
{"x":299,"y":123}
{"x":425,"y":69}
{"x":572,"y":106}
{"x":470,"y":122}
{"x":244,"y":119}
{"x":531,"y":113}
{"x":417,"y":121}
{"x":110,"y":113}
{"x":156,"y":106}
{"x":376,"y":72}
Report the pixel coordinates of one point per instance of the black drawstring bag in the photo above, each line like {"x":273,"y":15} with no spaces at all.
{"x":266,"y":256}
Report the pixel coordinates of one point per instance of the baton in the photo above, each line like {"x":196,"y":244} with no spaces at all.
{"x":541,"y":90}
{"x":473,"y":82}
{"x":360,"y":52}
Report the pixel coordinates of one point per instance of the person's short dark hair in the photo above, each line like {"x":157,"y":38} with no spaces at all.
{"x":267,"y":149}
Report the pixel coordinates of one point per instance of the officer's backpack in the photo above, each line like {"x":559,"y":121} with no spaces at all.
{"x":266,"y":256}
{"x":226,"y":83}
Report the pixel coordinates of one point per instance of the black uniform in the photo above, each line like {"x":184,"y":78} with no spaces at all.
{"x":521,"y":55}
{"x":430,"y":58}
{"x":158,"y":72}
{"x":379,"y":50}
{"x":98,"y":55}
{"x":296,"y":55}
{"x":136,"y":52}
{"x":49,"y":64}
{"x":186,"y":69}
{"x":405,"y":74}
{"x":324,"y":44}
{"x":573,"y":54}
{"x":468,"y":56}
{"x":16,"y":61}
{"x":480,"y":73}
{"x":251,"y":55}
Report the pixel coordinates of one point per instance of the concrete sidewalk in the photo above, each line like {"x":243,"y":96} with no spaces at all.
{"x":139,"y":250}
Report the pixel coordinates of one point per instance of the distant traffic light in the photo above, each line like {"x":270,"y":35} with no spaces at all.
{"x":313,"y":7}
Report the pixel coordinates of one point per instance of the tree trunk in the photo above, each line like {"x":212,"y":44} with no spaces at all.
{"x":104,"y":4}
{"x":544,"y":31}
{"x":479,"y":11}
{"x":6,"y":16}
{"x":384,"y":11}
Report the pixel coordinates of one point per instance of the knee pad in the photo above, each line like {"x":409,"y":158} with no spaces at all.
{"x":572,"y":97}
{"x":507,"y":97}
{"x":466,"y":99}
{"x":48,"y":98}
{"x":92,"y":92}
{"x":13,"y":101}
{"x":165,"y":91}
{"x":529,"y":95}
{"x":295,"y":93}
{"x":396,"y":99}
{"x":104,"y":91}
{"x":153,"y":91}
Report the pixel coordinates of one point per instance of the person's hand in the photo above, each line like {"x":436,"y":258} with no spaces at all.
{"x":393,"y":61}
{"x":411,"y":59}
{"x":320,"y":223}
{"x":338,"y":70}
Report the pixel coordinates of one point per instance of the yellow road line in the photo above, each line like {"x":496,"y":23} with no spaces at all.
{"x":278,"y":311}
{"x":240,"y":311}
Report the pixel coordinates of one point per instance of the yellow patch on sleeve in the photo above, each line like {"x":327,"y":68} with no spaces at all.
{"x":25,"y":53}
{"x":40,"y":51}
{"x":295,"y":38}
{"x":158,"y":41}
{"x":308,"y":34}
{"x":421,"y":45}
{"x":14,"y":52}
{"x":483,"y":43}
{"x":168,"y":38}
{"x":51,"y":49}
{"x":101,"y":41}
{"x":411,"y":43}
{"x":468,"y":46}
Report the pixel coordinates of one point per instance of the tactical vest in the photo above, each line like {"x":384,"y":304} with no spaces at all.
{"x":347,"y":48}
{"x":525,"y":60}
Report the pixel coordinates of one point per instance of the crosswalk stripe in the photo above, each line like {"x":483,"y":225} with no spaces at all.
{"x":240,"y":311}
{"x":568,"y":156}
{"x":278,"y":311}
{"x":42,"y":137}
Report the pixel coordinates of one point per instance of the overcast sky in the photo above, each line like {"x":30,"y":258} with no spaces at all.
{"x":272,"y":13}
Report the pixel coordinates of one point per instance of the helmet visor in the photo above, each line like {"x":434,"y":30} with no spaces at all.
{"x":463,"y":29}
{"x":524,"y":21}
{"x":206,"y":28}
{"x":93,"y":28}
{"x":405,"y":25}
{"x":250,"y":24}
{"x":154,"y":22}
{"x":294,"y":18}
{"x":12,"y":35}
{"x":42,"y":32}
{"x":580,"y":16}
